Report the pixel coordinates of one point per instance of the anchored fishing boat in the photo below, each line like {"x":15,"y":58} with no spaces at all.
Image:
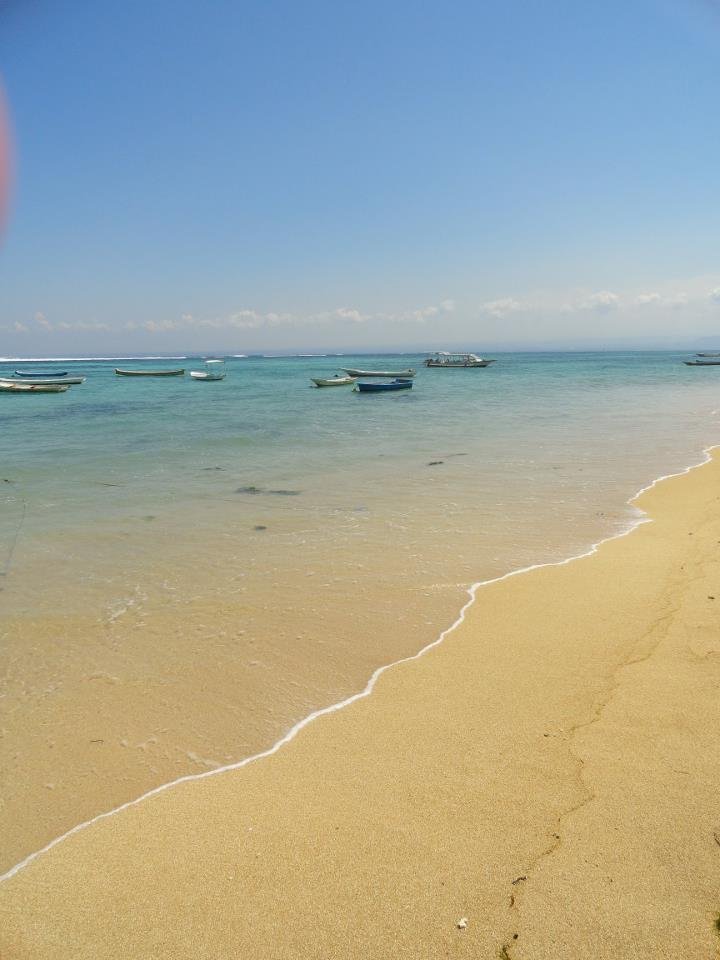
{"x":336,"y":381}
{"x":17,"y":387}
{"x":462,"y":361}
{"x":149,"y":373}
{"x":41,"y":373}
{"x":402,"y":374}
{"x":702,"y":363}
{"x":214,"y":370}
{"x":401,"y":383}
{"x":44,"y":381}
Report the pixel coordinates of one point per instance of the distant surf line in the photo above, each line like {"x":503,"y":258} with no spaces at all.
{"x":164,"y":356}
{"x":472,"y":591}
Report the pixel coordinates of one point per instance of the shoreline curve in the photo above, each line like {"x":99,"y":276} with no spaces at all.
{"x":367,"y":690}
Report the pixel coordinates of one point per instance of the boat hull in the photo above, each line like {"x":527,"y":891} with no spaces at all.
{"x":384,"y":387}
{"x":199,"y":375}
{"x":34,"y":387}
{"x":403,"y":374}
{"x":333,"y":381}
{"x":458,"y":366}
{"x":44,"y":381}
{"x":702,"y":363}
{"x":149,"y":373}
{"x":40,"y":374}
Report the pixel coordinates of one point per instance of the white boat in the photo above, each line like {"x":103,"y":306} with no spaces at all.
{"x":6,"y":387}
{"x":44,"y":381}
{"x":214,"y":370}
{"x":391,"y":374}
{"x":336,"y":381}
{"x":456,"y":360}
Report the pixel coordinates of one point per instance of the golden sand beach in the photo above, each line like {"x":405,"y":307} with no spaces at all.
{"x":549,"y":775}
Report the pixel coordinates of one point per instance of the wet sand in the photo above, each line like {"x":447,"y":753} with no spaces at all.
{"x":97,"y":712}
{"x":550,"y":772}
{"x":190,"y":659}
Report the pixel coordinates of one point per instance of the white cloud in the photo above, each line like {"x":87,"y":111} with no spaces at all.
{"x":354,"y":316}
{"x":155,"y":326}
{"x":248,"y":319}
{"x":601,"y":302}
{"x":243,"y":319}
{"x":500,"y":308}
{"x":658,"y":300}
{"x":82,"y":325}
{"x":41,"y":320}
{"x":714,"y":295}
{"x":420,"y":315}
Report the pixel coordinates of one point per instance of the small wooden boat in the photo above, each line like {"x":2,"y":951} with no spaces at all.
{"x":149,"y":373}
{"x":401,"y":374}
{"x":54,"y":374}
{"x":702,"y":363}
{"x":44,"y":381}
{"x":401,"y":383}
{"x":6,"y":387}
{"x":214,"y":370}
{"x":336,"y":381}
{"x":457,"y":361}
{"x":715,"y":354}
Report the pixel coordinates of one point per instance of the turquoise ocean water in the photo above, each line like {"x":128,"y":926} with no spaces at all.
{"x":539,"y":452}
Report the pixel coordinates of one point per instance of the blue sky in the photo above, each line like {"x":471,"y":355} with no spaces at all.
{"x":331,"y":174}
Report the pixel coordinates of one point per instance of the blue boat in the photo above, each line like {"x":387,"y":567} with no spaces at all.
{"x":36,"y":374}
{"x":401,"y":383}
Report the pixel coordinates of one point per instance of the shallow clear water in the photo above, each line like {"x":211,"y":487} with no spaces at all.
{"x":118,"y":474}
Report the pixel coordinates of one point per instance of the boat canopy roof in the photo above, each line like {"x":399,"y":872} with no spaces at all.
{"x":457,"y":356}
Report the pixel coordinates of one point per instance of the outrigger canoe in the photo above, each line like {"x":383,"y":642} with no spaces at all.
{"x":401,"y":374}
{"x":149,"y":373}
{"x":333,"y":381}
{"x":6,"y":387}
{"x":36,"y":374}
{"x":44,"y":381}
{"x":402,"y":383}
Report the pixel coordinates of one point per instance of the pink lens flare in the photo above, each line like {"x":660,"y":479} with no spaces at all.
{"x":6,"y":158}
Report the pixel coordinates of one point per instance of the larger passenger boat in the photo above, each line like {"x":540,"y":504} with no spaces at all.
{"x":461,"y":360}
